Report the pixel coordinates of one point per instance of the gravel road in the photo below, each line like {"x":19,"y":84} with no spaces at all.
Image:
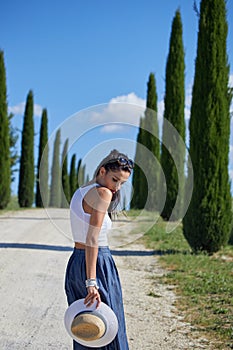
{"x":35,"y":247}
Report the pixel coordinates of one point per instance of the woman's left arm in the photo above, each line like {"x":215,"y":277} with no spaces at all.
{"x":99,"y":208}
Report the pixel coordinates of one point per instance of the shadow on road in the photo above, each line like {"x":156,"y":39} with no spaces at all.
{"x":35,"y":246}
{"x":35,"y":218}
{"x":122,"y":252}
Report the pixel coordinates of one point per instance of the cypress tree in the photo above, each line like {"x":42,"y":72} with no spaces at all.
{"x":42,"y":165}
{"x":73,"y":182}
{"x":55,"y":188}
{"x":65,"y":194}
{"x":231,"y":237}
{"x":207,"y":222}
{"x":151,"y":141}
{"x":87,"y":178}
{"x":174,"y":104}
{"x":146,"y":171}
{"x":139,"y":182}
{"x":79,"y":174}
{"x":26,"y":172}
{"x":5,"y":173}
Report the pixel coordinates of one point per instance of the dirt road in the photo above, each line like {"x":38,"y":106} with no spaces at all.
{"x":34,"y":253}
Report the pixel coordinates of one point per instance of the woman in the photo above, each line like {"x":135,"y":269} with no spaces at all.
{"x":91,"y":271}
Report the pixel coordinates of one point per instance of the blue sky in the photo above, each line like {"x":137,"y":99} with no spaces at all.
{"x":78,"y":54}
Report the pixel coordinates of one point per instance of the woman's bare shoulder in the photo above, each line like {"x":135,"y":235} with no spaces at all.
{"x":99,"y":192}
{"x":102,"y":193}
{"x":98,"y":198}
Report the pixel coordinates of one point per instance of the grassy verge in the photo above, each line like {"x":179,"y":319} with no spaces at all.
{"x":12,"y":205}
{"x":203,"y":283}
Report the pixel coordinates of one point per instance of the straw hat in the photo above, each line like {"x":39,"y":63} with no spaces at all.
{"x":90,"y":326}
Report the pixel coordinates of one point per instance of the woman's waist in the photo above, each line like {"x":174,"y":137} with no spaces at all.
{"x":81,"y":237}
{"x":82,"y":246}
{"x":78,"y":245}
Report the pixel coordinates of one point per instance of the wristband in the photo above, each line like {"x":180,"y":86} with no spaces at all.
{"x":91,"y":282}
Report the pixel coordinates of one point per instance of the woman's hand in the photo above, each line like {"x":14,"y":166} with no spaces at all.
{"x":92,"y":296}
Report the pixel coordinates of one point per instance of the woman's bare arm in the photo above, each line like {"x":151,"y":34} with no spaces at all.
{"x":100,"y":199}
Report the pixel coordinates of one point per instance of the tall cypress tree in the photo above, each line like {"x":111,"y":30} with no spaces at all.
{"x":146,"y":171}
{"x":151,"y":142}
{"x":55,"y":188}
{"x":5,"y":173}
{"x":139,"y":195}
{"x":207,"y":222}
{"x":65,"y":194}
{"x":174,"y":103}
{"x":87,"y":178}
{"x":26,"y":173}
{"x":79,"y":175}
{"x":72,"y":178}
{"x":42,"y":165}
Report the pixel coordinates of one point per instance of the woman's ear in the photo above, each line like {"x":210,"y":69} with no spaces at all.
{"x":102,"y":171}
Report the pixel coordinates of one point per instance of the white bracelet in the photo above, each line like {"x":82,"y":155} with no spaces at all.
{"x":91,"y":282}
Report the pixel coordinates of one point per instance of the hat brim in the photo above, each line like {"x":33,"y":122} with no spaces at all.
{"x":105,"y":312}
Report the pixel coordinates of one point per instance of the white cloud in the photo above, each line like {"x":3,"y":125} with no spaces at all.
{"x":188,"y":102}
{"x":37,"y":110}
{"x":121,"y":110}
{"x":131,"y":98}
{"x":231,"y":80}
{"x":231,"y":175}
{"x":231,"y":156}
{"x":160,"y":107}
{"x":111,"y":128}
{"x":20,"y":108}
{"x":128,"y":109}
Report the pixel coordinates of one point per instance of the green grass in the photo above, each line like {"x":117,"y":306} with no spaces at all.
{"x":204,"y":283}
{"x":12,"y":205}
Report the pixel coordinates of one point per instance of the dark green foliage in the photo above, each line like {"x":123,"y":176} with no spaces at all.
{"x":78,"y":182}
{"x":207,"y":222}
{"x":26,"y":173}
{"x":146,"y":171}
{"x":151,"y":142}
{"x":87,"y":178}
{"x":42,"y":165}
{"x":174,"y":104}
{"x":231,"y":237}
{"x":139,"y":181}
{"x":5,"y":174}
{"x":55,"y":189}
{"x":73,"y":181}
{"x":231,"y":234}
{"x":80,"y":174}
{"x":65,"y":193}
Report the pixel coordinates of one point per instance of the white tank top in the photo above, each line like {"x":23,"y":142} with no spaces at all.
{"x":80,"y":220}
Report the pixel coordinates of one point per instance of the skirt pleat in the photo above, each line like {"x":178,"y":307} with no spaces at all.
{"x":109,"y":288}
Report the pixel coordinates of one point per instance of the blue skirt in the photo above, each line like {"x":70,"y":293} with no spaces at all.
{"x":109,"y":289}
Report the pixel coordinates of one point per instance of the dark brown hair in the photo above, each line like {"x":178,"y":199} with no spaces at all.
{"x":110,"y":162}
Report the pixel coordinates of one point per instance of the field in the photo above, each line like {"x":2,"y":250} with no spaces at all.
{"x":204,"y":283}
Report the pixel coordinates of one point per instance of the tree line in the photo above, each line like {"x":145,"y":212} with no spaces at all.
{"x":34,"y":189}
{"x":207,"y":222}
